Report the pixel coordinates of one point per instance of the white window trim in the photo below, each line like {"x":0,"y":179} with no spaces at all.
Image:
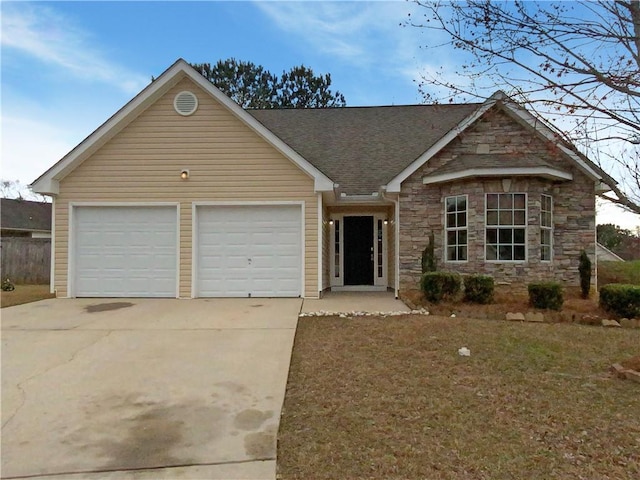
{"x":456,"y":229}
{"x":525,"y":226}
{"x":378,"y":282}
{"x":549,"y":228}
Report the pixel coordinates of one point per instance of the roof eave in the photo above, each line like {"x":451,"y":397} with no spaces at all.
{"x":544,"y":172}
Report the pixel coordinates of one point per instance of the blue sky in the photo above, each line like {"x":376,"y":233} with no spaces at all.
{"x":68,"y":66}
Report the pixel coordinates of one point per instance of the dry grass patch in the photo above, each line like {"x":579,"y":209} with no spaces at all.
{"x":391,"y":398}
{"x":24,"y":294}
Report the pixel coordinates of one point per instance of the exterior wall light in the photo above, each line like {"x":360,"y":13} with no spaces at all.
{"x":330,"y":222}
{"x":184,"y":174}
{"x":386,"y":222}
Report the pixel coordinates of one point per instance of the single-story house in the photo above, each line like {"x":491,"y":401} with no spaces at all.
{"x":182,"y":193}
{"x":25,"y":218}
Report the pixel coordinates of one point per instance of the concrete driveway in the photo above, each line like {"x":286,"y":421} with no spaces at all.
{"x":142,"y":388}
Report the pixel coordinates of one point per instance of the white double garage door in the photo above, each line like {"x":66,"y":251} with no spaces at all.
{"x":238,"y":251}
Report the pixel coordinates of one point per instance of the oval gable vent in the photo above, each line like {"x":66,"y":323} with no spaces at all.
{"x":185,"y":103}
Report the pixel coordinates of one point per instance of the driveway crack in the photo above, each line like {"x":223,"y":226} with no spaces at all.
{"x":20,"y":385}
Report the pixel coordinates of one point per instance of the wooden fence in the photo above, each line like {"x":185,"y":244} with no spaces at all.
{"x":26,"y":260}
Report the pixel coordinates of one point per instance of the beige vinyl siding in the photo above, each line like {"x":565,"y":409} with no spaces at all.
{"x":228,"y":162}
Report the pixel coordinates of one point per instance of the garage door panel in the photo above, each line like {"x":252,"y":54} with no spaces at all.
{"x":125,"y":251}
{"x":257,"y":249}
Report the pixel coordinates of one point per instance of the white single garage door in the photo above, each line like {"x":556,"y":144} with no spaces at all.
{"x":125,"y":252}
{"x":249,"y":251}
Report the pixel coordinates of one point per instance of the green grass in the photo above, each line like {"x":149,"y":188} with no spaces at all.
{"x":619,"y":272}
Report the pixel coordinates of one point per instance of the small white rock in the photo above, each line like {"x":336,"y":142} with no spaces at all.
{"x":453,"y":315}
{"x":464,"y":352}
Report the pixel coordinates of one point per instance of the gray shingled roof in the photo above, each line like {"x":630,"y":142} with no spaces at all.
{"x":362,"y":148}
{"x":25,"y":215}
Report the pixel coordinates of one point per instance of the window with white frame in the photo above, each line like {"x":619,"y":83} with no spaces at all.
{"x":456,"y":228}
{"x":546,"y":227}
{"x":505,"y":228}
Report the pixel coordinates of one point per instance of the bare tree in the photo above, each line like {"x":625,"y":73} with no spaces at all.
{"x":575,"y":63}
{"x":16,"y":190}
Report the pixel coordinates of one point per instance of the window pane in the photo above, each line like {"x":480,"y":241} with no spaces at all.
{"x":462,"y":253}
{"x":451,"y":220}
{"x":518,"y":252}
{"x":451,"y":204}
{"x":519,"y":201}
{"x":518,"y":235}
{"x":462,"y":220}
{"x":506,"y":218}
{"x":462,"y":203}
{"x":545,"y":253}
{"x":492,"y":253}
{"x":451,"y":238}
{"x":519,"y":217}
{"x":505,"y":252}
{"x":546,"y":237}
{"x":506,"y":201}
{"x":492,"y":217}
{"x":492,"y":201}
{"x":505,"y":235}
{"x":462,"y":237}
{"x":451,"y":253}
{"x":492,"y":235}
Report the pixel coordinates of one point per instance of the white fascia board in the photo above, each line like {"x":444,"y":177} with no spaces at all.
{"x":394,"y":185}
{"x":498,"y":172}
{"x":46,"y":186}
{"x":538,"y":125}
{"x":158,"y":87}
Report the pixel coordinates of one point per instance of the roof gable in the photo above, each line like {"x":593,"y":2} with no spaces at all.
{"x":48,"y":182}
{"x":518,"y":113}
{"x":25,"y":215}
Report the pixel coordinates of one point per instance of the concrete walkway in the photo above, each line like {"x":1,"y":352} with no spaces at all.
{"x":355,"y":302}
{"x":144,"y":389}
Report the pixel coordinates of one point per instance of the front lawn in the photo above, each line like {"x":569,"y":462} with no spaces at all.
{"x":24,"y":294}
{"x":385,"y":398}
{"x":619,"y":272}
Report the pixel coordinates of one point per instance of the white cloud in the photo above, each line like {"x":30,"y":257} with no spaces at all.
{"x":54,"y":39}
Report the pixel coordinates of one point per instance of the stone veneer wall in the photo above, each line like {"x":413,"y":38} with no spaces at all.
{"x":422,"y":210}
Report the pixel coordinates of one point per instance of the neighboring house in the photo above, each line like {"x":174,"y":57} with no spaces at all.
{"x":603,"y":254}
{"x":184,"y":194}
{"x":24,"y":218}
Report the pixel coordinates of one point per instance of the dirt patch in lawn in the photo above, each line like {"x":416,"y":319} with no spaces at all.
{"x":391,"y":398}
{"x":25,"y":294}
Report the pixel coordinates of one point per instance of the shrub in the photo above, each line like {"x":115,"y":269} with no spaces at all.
{"x":621,"y":299}
{"x":429,"y":256}
{"x":546,"y":295}
{"x":438,"y":285}
{"x":585,"y":274}
{"x":478,"y":289}
{"x":7,"y":286}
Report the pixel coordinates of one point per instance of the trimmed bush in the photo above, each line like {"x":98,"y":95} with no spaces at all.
{"x":621,"y":299}
{"x":438,"y":285}
{"x":478,"y":289}
{"x":546,"y":295}
{"x":585,"y":274}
